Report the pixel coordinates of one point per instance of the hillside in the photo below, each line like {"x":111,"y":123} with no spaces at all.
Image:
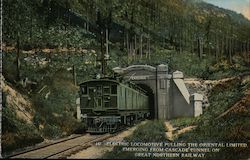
{"x":138,"y":31}
{"x":225,"y":120}
{"x":18,"y":112}
{"x":50,"y":46}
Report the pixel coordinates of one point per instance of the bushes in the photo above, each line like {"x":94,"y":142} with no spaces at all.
{"x":183,"y":122}
{"x":9,"y":67}
{"x":80,"y":128}
{"x":52,"y":131}
{"x":151,"y":131}
{"x":223,"y":96}
{"x":190,"y":64}
{"x":37,"y":28}
{"x":233,"y":127}
{"x":16,"y":132}
{"x":55,"y":106}
{"x":55,"y":103}
{"x":56,"y":36}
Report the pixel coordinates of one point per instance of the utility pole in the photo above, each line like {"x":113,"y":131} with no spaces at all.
{"x":104,"y":40}
{"x":102,"y":54}
{"x":74,"y":75}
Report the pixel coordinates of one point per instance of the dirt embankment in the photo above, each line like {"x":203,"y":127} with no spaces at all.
{"x":172,"y":133}
{"x":242,"y":106}
{"x":18,"y":102}
{"x":203,"y":87}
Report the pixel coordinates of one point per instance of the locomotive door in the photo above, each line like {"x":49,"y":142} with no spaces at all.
{"x":106,"y":96}
{"x":95,"y":95}
{"x":99,"y":97}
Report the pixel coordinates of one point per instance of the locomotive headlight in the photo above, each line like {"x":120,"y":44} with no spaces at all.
{"x":89,"y":98}
{"x":97,"y":120}
{"x":84,"y":116}
{"x":107,"y":97}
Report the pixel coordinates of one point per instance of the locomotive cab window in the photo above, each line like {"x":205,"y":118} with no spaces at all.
{"x":99,"y":90}
{"x":106,"y":89}
{"x":107,"y":104}
{"x":84,"y":90}
{"x":99,"y":102}
{"x":114,"y":89}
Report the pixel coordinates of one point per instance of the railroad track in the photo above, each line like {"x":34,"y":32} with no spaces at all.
{"x":63,"y":148}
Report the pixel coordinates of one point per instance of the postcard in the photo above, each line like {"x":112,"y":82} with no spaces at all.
{"x":125,"y":79}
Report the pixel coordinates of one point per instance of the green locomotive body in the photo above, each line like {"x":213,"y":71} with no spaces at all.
{"x":106,"y":105}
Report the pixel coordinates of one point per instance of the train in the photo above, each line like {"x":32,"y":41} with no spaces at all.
{"x":107,"y":105}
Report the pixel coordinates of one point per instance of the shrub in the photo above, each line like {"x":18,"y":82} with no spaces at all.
{"x":151,"y":131}
{"x":55,"y":106}
{"x":233,"y":127}
{"x":51,"y":131}
{"x":183,"y":122}
{"x":16,"y":132}
{"x":80,"y":128}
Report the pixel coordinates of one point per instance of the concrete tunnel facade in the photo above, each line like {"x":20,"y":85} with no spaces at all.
{"x":171,"y":97}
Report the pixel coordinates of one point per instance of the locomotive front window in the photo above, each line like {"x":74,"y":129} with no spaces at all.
{"x":84,"y":90}
{"x":106,"y":104}
{"x":113,"y":89}
{"x":99,"y":90}
{"x":99,"y":102}
{"x":106,"y":89}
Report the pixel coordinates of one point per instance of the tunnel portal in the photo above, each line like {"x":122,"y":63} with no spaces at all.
{"x":155,"y":80}
{"x":151,"y":102}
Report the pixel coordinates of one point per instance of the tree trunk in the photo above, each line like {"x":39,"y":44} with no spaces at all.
{"x":102,"y":53}
{"x":192,"y":46}
{"x":217,"y":47}
{"x":74,"y":75}
{"x":199,"y":48}
{"x":124,"y":40}
{"x":222,"y":50}
{"x":230,"y":51}
{"x":233,"y":49}
{"x":149,"y":51}
{"x":107,"y":42}
{"x":180,"y":41}
{"x":248,"y":51}
{"x":241,"y":48}
{"x":31,"y":27}
{"x":87,"y":24}
{"x":18,"y":59}
{"x":135,"y":47}
{"x":127,"y":42}
{"x":141,"y":46}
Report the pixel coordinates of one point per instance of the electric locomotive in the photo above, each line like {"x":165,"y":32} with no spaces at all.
{"x":106,"y":105}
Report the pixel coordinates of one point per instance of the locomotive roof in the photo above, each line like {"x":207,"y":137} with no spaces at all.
{"x":114,"y":81}
{"x":96,"y":80}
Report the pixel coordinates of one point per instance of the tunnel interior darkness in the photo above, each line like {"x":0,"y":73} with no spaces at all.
{"x":150,"y":95}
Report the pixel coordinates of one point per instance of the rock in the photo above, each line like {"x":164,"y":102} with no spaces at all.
{"x":47,"y":95}
{"x":69,"y":69}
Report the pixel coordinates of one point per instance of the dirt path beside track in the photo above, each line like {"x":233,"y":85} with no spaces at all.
{"x":97,"y":151}
{"x":173,"y":133}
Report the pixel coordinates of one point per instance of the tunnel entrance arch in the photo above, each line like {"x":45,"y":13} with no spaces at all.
{"x":156,"y":80}
{"x":151,"y":102}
